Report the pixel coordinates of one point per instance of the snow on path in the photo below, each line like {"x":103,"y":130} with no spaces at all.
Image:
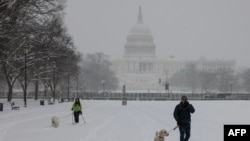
{"x":110,"y":121}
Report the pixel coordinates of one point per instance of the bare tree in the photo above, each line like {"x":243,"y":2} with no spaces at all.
{"x":24,"y":24}
{"x":246,"y":80}
{"x":186,"y":79}
{"x":207,"y":81}
{"x":2,"y":83}
{"x":224,"y":80}
{"x":96,"y":71}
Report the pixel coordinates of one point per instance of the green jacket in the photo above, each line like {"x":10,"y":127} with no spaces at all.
{"x":77,"y":107}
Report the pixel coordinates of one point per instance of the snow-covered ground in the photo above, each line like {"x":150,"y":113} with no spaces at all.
{"x":110,"y":121}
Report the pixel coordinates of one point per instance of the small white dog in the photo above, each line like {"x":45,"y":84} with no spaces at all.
{"x":55,"y":121}
{"x":159,"y":136}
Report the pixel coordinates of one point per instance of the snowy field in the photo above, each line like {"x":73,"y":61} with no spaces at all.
{"x":110,"y":121}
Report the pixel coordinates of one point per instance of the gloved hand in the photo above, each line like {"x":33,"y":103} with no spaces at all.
{"x":80,"y":112}
{"x":178,"y":123}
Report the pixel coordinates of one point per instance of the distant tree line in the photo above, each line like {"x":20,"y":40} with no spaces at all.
{"x":96,"y":73}
{"x":222,"y":80}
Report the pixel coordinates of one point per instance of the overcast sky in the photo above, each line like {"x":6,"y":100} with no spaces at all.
{"x":187,"y":29}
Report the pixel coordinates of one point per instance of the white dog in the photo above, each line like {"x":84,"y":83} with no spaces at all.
{"x":159,"y":136}
{"x":55,"y":121}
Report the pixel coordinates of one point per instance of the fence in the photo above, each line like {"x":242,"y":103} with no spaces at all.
{"x":142,"y":96}
{"x":162,"y":96}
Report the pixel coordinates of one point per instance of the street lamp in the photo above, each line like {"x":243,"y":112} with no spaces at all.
{"x":231,"y":84}
{"x":124,"y":90}
{"x":103,"y":83}
{"x":25,"y":51}
{"x":159,"y":81}
{"x":46,"y":88}
{"x":36,"y":81}
{"x":54,"y":81}
{"x":77,"y":84}
{"x":167,"y":88}
{"x":68,"y":84}
{"x":124,"y":100}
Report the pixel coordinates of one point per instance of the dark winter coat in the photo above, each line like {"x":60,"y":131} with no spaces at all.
{"x":182,"y":113}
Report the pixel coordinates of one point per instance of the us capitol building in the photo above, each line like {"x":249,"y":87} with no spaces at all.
{"x":140,"y":69}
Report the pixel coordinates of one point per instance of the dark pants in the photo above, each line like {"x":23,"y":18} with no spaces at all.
{"x":185,"y":132}
{"x":76,"y":115}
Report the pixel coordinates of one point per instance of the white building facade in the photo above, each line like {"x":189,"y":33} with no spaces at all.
{"x":139,"y":69}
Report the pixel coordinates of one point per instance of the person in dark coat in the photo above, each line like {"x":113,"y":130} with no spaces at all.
{"x":182,"y":115}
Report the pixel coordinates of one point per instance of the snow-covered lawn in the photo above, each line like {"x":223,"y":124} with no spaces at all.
{"x":110,"y":121}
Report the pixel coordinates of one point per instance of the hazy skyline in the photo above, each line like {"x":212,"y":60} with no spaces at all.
{"x":186,"y":29}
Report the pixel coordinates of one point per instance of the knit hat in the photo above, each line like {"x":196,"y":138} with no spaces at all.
{"x":184,"y":97}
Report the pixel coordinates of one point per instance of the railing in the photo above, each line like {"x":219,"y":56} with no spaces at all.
{"x":162,"y":96}
{"x":139,"y":96}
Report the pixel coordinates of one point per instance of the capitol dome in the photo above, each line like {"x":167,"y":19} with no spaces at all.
{"x":139,"y":40}
{"x":140,"y":28}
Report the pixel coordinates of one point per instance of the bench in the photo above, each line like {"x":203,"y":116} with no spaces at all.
{"x":50,"y":102}
{"x":14,"y":106}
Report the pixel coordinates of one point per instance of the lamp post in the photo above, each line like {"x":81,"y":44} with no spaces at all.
{"x":46,"y":80}
{"x":167,"y":88}
{"x":54,"y":82}
{"x":46,"y":88}
{"x":231,"y":84}
{"x":103,"y":83}
{"x":124,"y":91}
{"x":159,"y":81}
{"x":25,"y":51}
{"x":36,"y":84}
{"x":77,"y":85}
{"x":68,"y":85}
{"x":124,"y":100}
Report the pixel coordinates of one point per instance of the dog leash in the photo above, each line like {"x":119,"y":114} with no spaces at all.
{"x":173,"y":129}
{"x":66,"y":116}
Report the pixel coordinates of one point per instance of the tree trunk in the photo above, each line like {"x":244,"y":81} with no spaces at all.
{"x":36,"y":89}
{"x":10,"y":93}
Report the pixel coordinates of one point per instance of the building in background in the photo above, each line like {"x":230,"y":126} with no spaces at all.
{"x":140,"y":69}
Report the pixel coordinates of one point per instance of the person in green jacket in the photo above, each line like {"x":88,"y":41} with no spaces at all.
{"x":77,"y":109}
